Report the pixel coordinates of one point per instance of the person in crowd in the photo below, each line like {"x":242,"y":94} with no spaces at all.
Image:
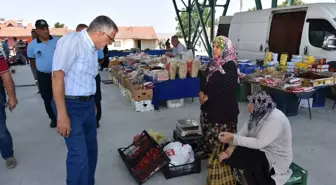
{"x":33,"y":36}
{"x":33,"y":69}
{"x":75,"y":67}
{"x":15,"y":48}
{"x":179,"y":48}
{"x":2,"y":87}
{"x":98,"y":96}
{"x":5,"y":48}
{"x":6,"y":142}
{"x":167,"y":44}
{"x":21,"y":51}
{"x":106,"y":58}
{"x":263,"y":147}
{"x":219,"y":107}
{"x":40,"y":53}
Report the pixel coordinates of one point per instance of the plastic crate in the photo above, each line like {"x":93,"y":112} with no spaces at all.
{"x":133,"y":156}
{"x":181,"y":170}
{"x":193,"y":141}
{"x":299,"y":176}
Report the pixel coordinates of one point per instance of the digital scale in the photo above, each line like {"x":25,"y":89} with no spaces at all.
{"x":188,"y":127}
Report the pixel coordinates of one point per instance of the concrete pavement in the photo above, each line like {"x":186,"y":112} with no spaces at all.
{"x":41,"y":152}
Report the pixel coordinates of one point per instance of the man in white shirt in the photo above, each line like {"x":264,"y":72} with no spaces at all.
{"x":74,"y":70}
{"x":179,"y":48}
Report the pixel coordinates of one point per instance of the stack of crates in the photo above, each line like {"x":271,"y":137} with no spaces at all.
{"x":299,"y":176}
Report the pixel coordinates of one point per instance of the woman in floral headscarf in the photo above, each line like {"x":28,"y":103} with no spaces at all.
{"x":263,"y":147}
{"x":219,"y":109}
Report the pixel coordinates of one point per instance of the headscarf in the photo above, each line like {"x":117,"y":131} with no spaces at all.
{"x":228,"y":54}
{"x":262,"y":104}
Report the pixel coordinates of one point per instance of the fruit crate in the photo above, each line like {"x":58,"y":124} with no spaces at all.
{"x":172,"y":171}
{"x":299,"y":176}
{"x":143,"y":157}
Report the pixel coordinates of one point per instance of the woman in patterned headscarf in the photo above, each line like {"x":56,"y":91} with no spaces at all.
{"x":219,"y":109}
{"x":263,"y":147}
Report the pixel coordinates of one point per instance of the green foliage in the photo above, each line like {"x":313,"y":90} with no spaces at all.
{"x":283,"y":4}
{"x":58,"y":25}
{"x":195,"y":17}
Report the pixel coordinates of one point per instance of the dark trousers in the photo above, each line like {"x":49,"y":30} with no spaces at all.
{"x":255,"y":165}
{"x":6,"y":142}
{"x":45,"y":87}
{"x":82,"y":143}
{"x":98,"y":98}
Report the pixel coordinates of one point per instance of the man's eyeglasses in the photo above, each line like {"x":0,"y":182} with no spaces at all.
{"x":112,"y":39}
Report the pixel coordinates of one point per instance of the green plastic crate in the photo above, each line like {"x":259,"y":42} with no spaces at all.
{"x":242,"y":92}
{"x":299,"y":176}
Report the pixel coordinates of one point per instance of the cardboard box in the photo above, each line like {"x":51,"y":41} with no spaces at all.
{"x":139,"y":94}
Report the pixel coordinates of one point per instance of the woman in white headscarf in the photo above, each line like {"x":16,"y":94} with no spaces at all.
{"x":263,"y":147}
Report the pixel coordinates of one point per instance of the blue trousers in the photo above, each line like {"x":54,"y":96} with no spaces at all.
{"x":6,"y":142}
{"x":82,"y":143}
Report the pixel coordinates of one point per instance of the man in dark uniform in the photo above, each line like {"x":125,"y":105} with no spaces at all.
{"x":40,"y":54}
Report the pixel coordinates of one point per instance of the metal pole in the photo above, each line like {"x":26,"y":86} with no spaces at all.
{"x":226,"y":6}
{"x":274,"y":3}
{"x":180,"y":21}
{"x":213,"y":19}
{"x":189,"y":10}
{"x":198,"y":23}
{"x":258,"y":4}
{"x":200,"y":13}
{"x":241,"y":6}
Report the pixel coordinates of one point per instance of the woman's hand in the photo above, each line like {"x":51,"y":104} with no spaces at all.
{"x":201,"y":97}
{"x":225,"y":137}
{"x":222,"y":156}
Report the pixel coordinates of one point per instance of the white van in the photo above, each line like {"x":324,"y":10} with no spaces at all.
{"x":303,"y":30}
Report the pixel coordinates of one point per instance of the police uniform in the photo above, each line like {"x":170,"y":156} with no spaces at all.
{"x":98,"y":96}
{"x":43,"y":54}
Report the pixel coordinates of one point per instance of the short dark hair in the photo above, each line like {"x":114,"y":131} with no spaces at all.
{"x":80,"y":26}
{"x":14,"y":38}
{"x":174,"y":37}
{"x":102,"y":23}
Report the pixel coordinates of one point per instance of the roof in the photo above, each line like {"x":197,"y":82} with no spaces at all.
{"x":137,"y":32}
{"x":24,"y":32}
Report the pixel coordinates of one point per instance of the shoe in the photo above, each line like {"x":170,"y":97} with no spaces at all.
{"x":98,"y":125}
{"x":53,"y":124}
{"x":11,"y":163}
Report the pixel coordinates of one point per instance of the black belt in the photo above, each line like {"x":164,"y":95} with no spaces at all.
{"x":79,"y":98}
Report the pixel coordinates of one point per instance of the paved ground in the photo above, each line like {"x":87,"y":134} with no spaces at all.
{"x":41,"y":152}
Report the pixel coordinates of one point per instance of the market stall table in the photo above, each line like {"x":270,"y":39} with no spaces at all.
{"x":288,"y":102}
{"x":175,"y":89}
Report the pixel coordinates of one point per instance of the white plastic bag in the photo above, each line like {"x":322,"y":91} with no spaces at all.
{"x":179,"y":153}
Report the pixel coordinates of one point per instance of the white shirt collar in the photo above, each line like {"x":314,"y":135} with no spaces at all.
{"x":88,"y":39}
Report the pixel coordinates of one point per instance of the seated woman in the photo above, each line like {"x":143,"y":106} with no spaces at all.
{"x":263,"y":147}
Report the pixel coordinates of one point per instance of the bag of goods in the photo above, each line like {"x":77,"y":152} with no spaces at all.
{"x":161,"y":75}
{"x":183,"y":69}
{"x":172,"y":69}
{"x":268,"y":57}
{"x":283,"y":59}
{"x":196,"y":66}
{"x":179,"y":153}
{"x":158,"y":137}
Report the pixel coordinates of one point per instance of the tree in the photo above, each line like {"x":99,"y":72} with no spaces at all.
{"x":195,"y":17}
{"x":283,"y":4}
{"x":58,"y":25}
{"x":252,"y":9}
{"x":296,"y":2}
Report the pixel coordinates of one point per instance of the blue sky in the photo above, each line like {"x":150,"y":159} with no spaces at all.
{"x":157,"y":13}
